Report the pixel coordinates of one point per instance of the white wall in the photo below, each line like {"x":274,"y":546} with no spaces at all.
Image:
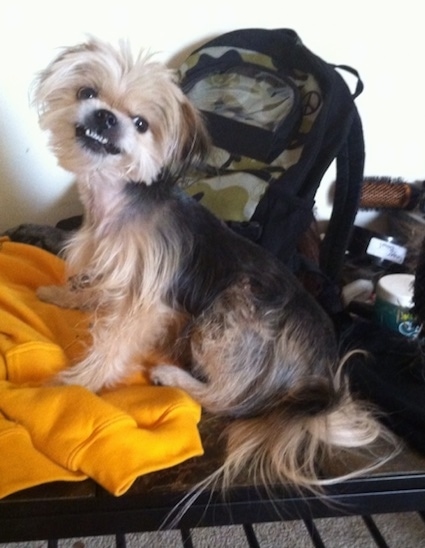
{"x":384,"y":41}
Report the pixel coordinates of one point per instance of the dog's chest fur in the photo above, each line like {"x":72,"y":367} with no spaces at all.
{"x":158,"y":249}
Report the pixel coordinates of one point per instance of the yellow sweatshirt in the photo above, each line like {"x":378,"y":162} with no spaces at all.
{"x":68,"y":433}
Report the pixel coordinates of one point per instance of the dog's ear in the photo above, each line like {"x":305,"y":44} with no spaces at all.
{"x":42,"y":90}
{"x":58,"y":78}
{"x":195,"y":141}
{"x":51,"y":84}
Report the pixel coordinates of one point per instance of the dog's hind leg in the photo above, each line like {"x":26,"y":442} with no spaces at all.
{"x":171,"y":375}
{"x":207,"y":394}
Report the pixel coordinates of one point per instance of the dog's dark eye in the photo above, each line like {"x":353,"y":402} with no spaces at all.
{"x":86,"y":93}
{"x":141,"y":124}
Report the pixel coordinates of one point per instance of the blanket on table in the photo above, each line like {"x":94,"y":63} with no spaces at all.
{"x":66,"y":433}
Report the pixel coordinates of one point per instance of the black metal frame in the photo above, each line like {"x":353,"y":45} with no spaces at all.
{"x":78,"y":510}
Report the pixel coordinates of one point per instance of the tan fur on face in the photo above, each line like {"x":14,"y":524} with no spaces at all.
{"x":127,"y":87}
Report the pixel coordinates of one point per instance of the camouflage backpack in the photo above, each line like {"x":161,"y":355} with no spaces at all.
{"x":278,"y":116}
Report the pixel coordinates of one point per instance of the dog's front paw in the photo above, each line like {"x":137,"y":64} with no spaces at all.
{"x":53,"y":294}
{"x":60,"y":295}
{"x":77,"y":376}
{"x":54,"y":381}
{"x":166,"y":375}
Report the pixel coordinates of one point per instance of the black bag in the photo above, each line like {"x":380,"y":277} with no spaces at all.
{"x":278,"y":116}
{"x":391,"y":375}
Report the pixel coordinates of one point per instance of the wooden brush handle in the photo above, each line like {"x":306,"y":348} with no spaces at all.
{"x":388,"y":194}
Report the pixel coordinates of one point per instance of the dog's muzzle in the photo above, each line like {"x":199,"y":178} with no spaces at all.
{"x":99,"y":132}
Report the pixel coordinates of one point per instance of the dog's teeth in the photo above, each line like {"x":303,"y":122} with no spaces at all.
{"x":96,"y":137}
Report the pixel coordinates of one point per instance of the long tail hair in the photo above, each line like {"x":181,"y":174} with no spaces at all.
{"x":290,"y":444}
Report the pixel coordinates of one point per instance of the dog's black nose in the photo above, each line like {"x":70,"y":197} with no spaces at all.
{"x":105,"y":119}
{"x":100,"y":132}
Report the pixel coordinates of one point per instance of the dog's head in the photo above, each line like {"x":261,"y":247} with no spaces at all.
{"x":124,"y":118}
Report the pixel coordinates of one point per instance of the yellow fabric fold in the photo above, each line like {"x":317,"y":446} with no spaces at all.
{"x":21,"y":465}
{"x":67,"y":433}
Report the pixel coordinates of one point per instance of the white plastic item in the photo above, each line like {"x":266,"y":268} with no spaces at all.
{"x":394,"y":304}
{"x":396,"y":289}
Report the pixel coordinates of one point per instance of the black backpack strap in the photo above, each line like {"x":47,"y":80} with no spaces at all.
{"x":349,"y":178}
{"x":359,"y":84}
